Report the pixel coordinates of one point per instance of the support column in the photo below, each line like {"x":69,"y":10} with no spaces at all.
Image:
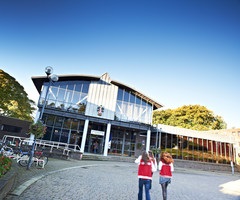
{"x":107,"y":139}
{"x":148,"y":140}
{"x":84,"y":137}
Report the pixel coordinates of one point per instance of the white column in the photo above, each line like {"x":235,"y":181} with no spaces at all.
{"x":107,"y":139}
{"x":148,"y":140}
{"x":84,"y":137}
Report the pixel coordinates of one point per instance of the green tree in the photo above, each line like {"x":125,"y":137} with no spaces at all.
{"x":193,"y":117}
{"x":14,"y":101}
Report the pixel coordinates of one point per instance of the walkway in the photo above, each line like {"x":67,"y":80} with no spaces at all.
{"x":106,"y":180}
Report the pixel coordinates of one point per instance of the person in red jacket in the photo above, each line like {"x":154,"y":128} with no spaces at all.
{"x":145,"y":169}
{"x":165,"y":171}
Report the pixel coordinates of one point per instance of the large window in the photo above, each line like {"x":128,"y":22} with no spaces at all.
{"x":130,"y":107}
{"x":70,"y":96}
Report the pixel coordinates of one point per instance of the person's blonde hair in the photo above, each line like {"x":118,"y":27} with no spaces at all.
{"x":166,"y":157}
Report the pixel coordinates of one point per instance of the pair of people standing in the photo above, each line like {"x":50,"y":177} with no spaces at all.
{"x":147,"y":165}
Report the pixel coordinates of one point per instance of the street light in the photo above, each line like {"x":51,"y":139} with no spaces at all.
{"x":160,"y":136}
{"x":52,"y":78}
{"x":157,"y":138}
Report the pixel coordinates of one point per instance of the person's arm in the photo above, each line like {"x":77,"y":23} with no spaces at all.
{"x":155,"y":163}
{"x":138,"y":159}
{"x":160,"y":166}
{"x":172,"y":168}
{"x":153,"y":167}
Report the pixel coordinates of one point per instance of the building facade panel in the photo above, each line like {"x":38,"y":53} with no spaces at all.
{"x":102,"y":98}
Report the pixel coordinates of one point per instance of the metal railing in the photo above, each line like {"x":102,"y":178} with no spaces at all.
{"x":65,"y":147}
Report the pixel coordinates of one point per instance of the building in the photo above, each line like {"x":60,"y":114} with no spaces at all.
{"x":90,"y":110}
{"x":13,"y":127}
{"x":218,"y":146}
{"x":98,"y":115}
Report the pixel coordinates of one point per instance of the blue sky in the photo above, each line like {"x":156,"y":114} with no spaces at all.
{"x":177,"y":52}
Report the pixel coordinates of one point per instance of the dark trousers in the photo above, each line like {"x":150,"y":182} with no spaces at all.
{"x":164,"y":190}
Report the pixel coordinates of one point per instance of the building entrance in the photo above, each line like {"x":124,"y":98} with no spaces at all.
{"x":95,"y":144}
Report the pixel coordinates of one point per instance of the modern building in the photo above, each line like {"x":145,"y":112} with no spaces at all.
{"x":95,"y":110}
{"x":103,"y":116}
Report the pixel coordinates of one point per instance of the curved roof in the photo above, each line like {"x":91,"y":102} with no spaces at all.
{"x":39,"y":81}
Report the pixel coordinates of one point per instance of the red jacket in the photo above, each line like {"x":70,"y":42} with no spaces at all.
{"x":145,"y":170}
{"x":165,"y":170}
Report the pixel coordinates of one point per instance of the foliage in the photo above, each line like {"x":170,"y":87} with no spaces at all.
{"x":189,"y":154}
{"x":193,"y":117}
{"x":38,"y":129}
{"x":14,"y":101}
{"x":5,"y":164}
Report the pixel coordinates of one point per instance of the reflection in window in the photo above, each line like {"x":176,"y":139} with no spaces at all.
{"x":69,"y":96}
{"x":130,"y":107}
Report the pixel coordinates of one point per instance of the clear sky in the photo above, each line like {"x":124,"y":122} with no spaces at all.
{"x":177,"y":52}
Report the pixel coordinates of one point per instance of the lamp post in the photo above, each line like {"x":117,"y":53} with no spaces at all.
{"x":160,"y":136}
{"x":52,"y":78}
{"x":156,"y":139}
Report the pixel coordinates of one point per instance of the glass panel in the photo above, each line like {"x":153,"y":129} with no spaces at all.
{"x":78,"y":86}
{"x":50,"y":120}
{"x":74,"y":124}
{"x":44,"y":90}
{"x":120,"y":94}
{"x":68,"y":97}
{"x":85,"y":87}
{"x":51,"y":103}
{"x":62,"y":84}
{"x":126,"y":96}
{"x":138,"y":101}
{"x":76,"y":96}
{"x":59,"y":121}
{"x":64,"y":135}
{"x":71,"y":85}
{"x":67,"y":123}
{"x":52,"y":94}
{"x":132,"y":98}
{"x":61,"y":94}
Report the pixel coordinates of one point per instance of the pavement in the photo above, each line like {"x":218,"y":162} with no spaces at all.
{"x":107,"y":180}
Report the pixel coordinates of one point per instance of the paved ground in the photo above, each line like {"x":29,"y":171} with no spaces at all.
{"x":88,"y":180}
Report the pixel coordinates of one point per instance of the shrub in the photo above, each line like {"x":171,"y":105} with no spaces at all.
{"x":5,"y":164}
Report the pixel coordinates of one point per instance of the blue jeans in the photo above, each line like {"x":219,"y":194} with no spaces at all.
{"x":146,"y":183}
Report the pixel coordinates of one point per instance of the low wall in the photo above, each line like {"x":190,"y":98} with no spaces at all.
{"x":6,"y":182}
{"x":204,"y":166}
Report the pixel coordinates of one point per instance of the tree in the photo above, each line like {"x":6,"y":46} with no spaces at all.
{"x":193,"y":117}
{"x":14,"y":101}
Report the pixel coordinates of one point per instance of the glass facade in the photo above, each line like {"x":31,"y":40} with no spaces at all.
{"x":72,"y":96}
{"x":62,"y":129}
{"x":122,"y":142}
{"x":130,"y":107}
{"x":197,"y":149}
{"x":66,"y":95}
